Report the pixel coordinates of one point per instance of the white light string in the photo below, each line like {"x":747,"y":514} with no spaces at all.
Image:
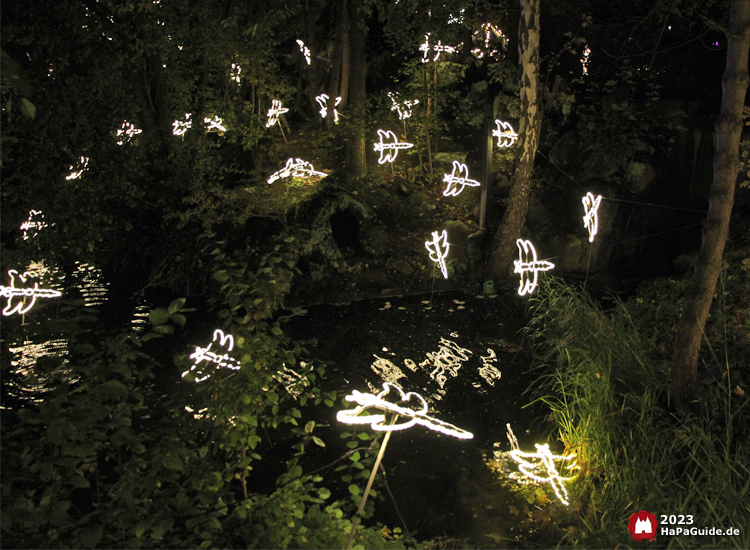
{"x":437,"y":48}
{"x":504,"y":133}
{"x":459,"y":176}
{"x":127,"y":132}
{"x":414,"y":416}
{"x":17,"y":297}
{"x":305,"y":51}
{"x":205,"y":354}
{"x":438,"y":248}
{"x":275,"y":112}
{"x":403,"y":108}
{"x":75,"y":174}
{"x":296,"y":168}
{"x":528,"y":264}
{"x":33,"y":224}
{"x":389,"y":146}
{"x":591,"y":217}
{"x":322,"y":100}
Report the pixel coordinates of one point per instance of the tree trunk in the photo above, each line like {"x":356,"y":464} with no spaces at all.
{"x":528,"y":140}
{"x":728,"y":131}
{"x":356,"y":159}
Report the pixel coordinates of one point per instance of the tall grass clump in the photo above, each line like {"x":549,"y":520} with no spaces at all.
{"x":609,"y":400}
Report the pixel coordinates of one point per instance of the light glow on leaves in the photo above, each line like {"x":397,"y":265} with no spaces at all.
{"x":33,"y":224}
{"x":527,"y":264}
{"x":305,"y":51}
{"x":459,"y":176}
{"x":322,"y":100}
{"x":235,"y":71}
{"x":591,"y":216}
{"x":205,"y":354}
{"x":389,"y":146}
{"x":585,"y":60}
{"x":438,"y":248}
{"x":275,"y":112}
{"x":539,"y":467}
{"x":404,"y":107}
{"x":21,"y":300}
{"x":438,"y":48}
{"x":414,"y":416}
{"x":75,"y":174}
{"x":127,"y":132}
{"x":296,"y":168}
{"x":505,"y":134}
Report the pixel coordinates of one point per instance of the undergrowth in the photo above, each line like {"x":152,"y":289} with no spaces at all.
{"x":609,"y":400}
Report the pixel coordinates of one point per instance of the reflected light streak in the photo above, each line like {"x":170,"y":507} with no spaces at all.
{"x":447,"y":360}
{"x":488,"y":371}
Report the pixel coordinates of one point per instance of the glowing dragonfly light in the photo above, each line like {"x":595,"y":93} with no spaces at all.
{"x":505,"y":134}
{"x":179,"y":127}
{"x":33,"y":224}
{"x":438,"y":248}
{"x":205,"y":354}
{"x":305,"y":51}
{"x":425,"y":48}
{"x":459,"y":176}
{"x":389,"y":146}
{"x":526,"y":264}
{"x":322,"y":100}
{"x":591,"y":216}
{"x":413,"y":416}
{"x":275,"y":112}
{"x":75,"y":174}
{"x":21,"y":300}
{"x":403,"y":108}
{"x":127,"y":132}
{"x":214,"y":124}
{"x":296,"y":168}
{"x":541,"y":469}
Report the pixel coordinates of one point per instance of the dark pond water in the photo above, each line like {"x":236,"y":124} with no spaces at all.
{"x":460,"y":352}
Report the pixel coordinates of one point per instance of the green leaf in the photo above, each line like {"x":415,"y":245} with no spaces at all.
{"x":114,"y":389}
{"x":159,"y":316}
{"x":354,"y":489}
{"x":318,"y":441}
{"x":253,"y":441}
{"x":310,"y":426}
{"x":324,"y":493}
{"x":91,"y":536}
{"x":80,"y":482}
{"x":178,"y":318}
{"x":222,"y":276}
{"x":355,"y":457}
{"x":28,"y":108}
{"x":176,"y":305}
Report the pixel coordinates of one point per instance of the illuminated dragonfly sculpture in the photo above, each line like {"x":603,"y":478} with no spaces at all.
{"x":389,"y":146}
{"x":425,"y":48}
{"x":459,"y":176}
{"x":539,"y":467}
{"x":21,"y":300}
{"x":220,"y":360}
{"x":528,"y":267}
{"x":296,"y":168}
{"x":275,"y":112}
{"x":413,"y":415}
{"x":504,"y":133}
{"x":322,"y":100}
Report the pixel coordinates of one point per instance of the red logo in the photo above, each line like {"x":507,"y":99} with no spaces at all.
{"x":642,"y":525}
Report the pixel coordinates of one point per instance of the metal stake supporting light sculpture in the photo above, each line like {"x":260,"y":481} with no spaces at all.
{"x":33,"y":224}
{"x":377,"y":422}
{"x":438,"y":248}
{"x":541,"y":469}
{"x":505,"y":134}
{"x":305,"y":51}
{"x":205,"y":354}
{"x":403,"y":108}
{"x":17,"y":297}
{"x":591,"y":217}
{"x":322,"y":100}
{"x":296,"y":168}
{"x":527,"y":263}
{"x":389,"y":146}
{"x":275,"y":112}
{"x":437,"y":48}
{"x":459,"y":176}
